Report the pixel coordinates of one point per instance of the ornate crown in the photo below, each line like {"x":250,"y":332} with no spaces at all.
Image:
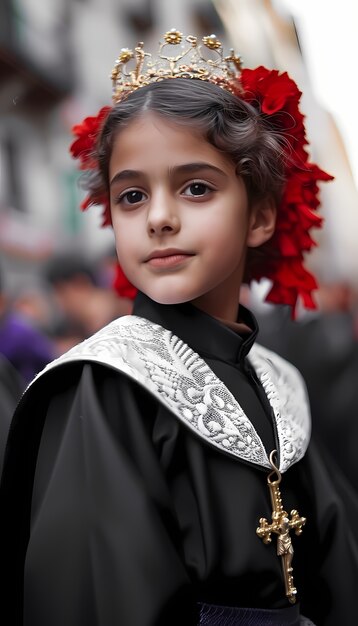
{"x":191,"y":59}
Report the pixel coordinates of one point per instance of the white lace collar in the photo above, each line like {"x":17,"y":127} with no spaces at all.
{"x":180,"y":379}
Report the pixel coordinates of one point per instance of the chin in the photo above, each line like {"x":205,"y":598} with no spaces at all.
{"x":170,"y":296}
{"x":169,"y":299}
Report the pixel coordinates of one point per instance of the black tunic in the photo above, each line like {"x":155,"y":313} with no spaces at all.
{"x":11,"y":387}
{"x":135,"y":519}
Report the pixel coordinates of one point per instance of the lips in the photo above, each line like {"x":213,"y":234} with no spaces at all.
{"x":167,"y":258}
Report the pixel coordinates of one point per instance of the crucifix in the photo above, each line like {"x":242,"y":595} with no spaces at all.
{"x":281,"y":525}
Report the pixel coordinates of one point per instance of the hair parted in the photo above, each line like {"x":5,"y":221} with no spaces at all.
{"x":230,"y":124}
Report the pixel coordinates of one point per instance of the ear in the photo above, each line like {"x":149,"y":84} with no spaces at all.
{"x":262,"y":222}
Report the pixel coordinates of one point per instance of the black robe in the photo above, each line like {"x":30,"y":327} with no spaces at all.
{"x":131,"y":519}
{"x":11,"y":388}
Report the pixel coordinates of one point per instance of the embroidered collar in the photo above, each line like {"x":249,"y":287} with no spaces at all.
{"x":181,"y":380}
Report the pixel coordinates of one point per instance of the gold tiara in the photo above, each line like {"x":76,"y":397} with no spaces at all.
{"x":201,"y":59}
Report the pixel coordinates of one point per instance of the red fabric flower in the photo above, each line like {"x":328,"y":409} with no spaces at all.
{"x":281,"y":259}
{"x":276,"y":96}
{"x":271,"y":89}
{"x":122,"y":286}
{"x":83,"y":148}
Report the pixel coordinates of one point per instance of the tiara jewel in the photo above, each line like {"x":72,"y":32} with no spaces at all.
{"x":177,"y":57}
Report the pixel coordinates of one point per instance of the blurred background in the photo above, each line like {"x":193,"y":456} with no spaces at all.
{"x":57,"y":264}
{"x":55,"y":61}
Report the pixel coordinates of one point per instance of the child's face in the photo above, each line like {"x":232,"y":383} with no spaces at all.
{"x":180,"y":215}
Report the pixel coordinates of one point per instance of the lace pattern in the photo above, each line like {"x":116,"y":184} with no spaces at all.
{"x":180,"y":379}
{"x":287,"y":396}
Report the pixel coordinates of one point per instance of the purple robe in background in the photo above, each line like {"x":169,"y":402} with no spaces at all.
{"x":25,"y":346}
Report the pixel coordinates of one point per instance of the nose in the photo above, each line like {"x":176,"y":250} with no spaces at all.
{"x":163,"y":216}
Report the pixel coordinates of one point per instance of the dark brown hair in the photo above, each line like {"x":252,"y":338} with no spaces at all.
{"x":231,"y":125}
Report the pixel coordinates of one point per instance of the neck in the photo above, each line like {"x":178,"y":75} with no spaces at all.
{"x":219,"y":305}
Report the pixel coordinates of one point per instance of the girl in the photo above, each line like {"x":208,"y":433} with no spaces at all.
{"x":147,"y":469}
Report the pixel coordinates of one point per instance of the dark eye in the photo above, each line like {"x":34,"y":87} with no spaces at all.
{"x":132,"y":197}
{"x":196,"y":189}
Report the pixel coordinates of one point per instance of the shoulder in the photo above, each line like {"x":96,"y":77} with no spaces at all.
{"x":104,"y":345}
{"x":86,"y":371}
{"x":113,"y":348}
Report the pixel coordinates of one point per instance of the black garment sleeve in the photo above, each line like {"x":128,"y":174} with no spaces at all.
{"x":11,"y":387}
{"x":102,"y":548}
{"x":330,"y":584}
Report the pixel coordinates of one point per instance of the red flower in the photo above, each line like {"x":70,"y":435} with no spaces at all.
{"x":122,"y":286}
{"x":273,"y":90}
{"x":281,"y":259}
{"x":83,"y":148}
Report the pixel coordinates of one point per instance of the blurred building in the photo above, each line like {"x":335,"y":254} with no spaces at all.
{"x":55,"y":61}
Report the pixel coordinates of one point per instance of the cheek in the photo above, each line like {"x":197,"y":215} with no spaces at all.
{"x":125,"y":236}
{"x":226,"y":247}
{"x":225,"y":236}
{"x":124,"y":251}
{"x":226,"y":219}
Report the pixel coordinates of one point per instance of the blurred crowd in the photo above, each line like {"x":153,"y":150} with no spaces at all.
{"x":75,"y":298}
{"x":72,"y":299}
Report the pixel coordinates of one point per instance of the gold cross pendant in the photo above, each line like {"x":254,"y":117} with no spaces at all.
{"x":281,"y":525}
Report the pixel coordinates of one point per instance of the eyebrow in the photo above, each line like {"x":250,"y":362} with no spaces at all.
{"x":192,"y":168}
{"x":186,"y":168}
{"x":125,"y":175}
